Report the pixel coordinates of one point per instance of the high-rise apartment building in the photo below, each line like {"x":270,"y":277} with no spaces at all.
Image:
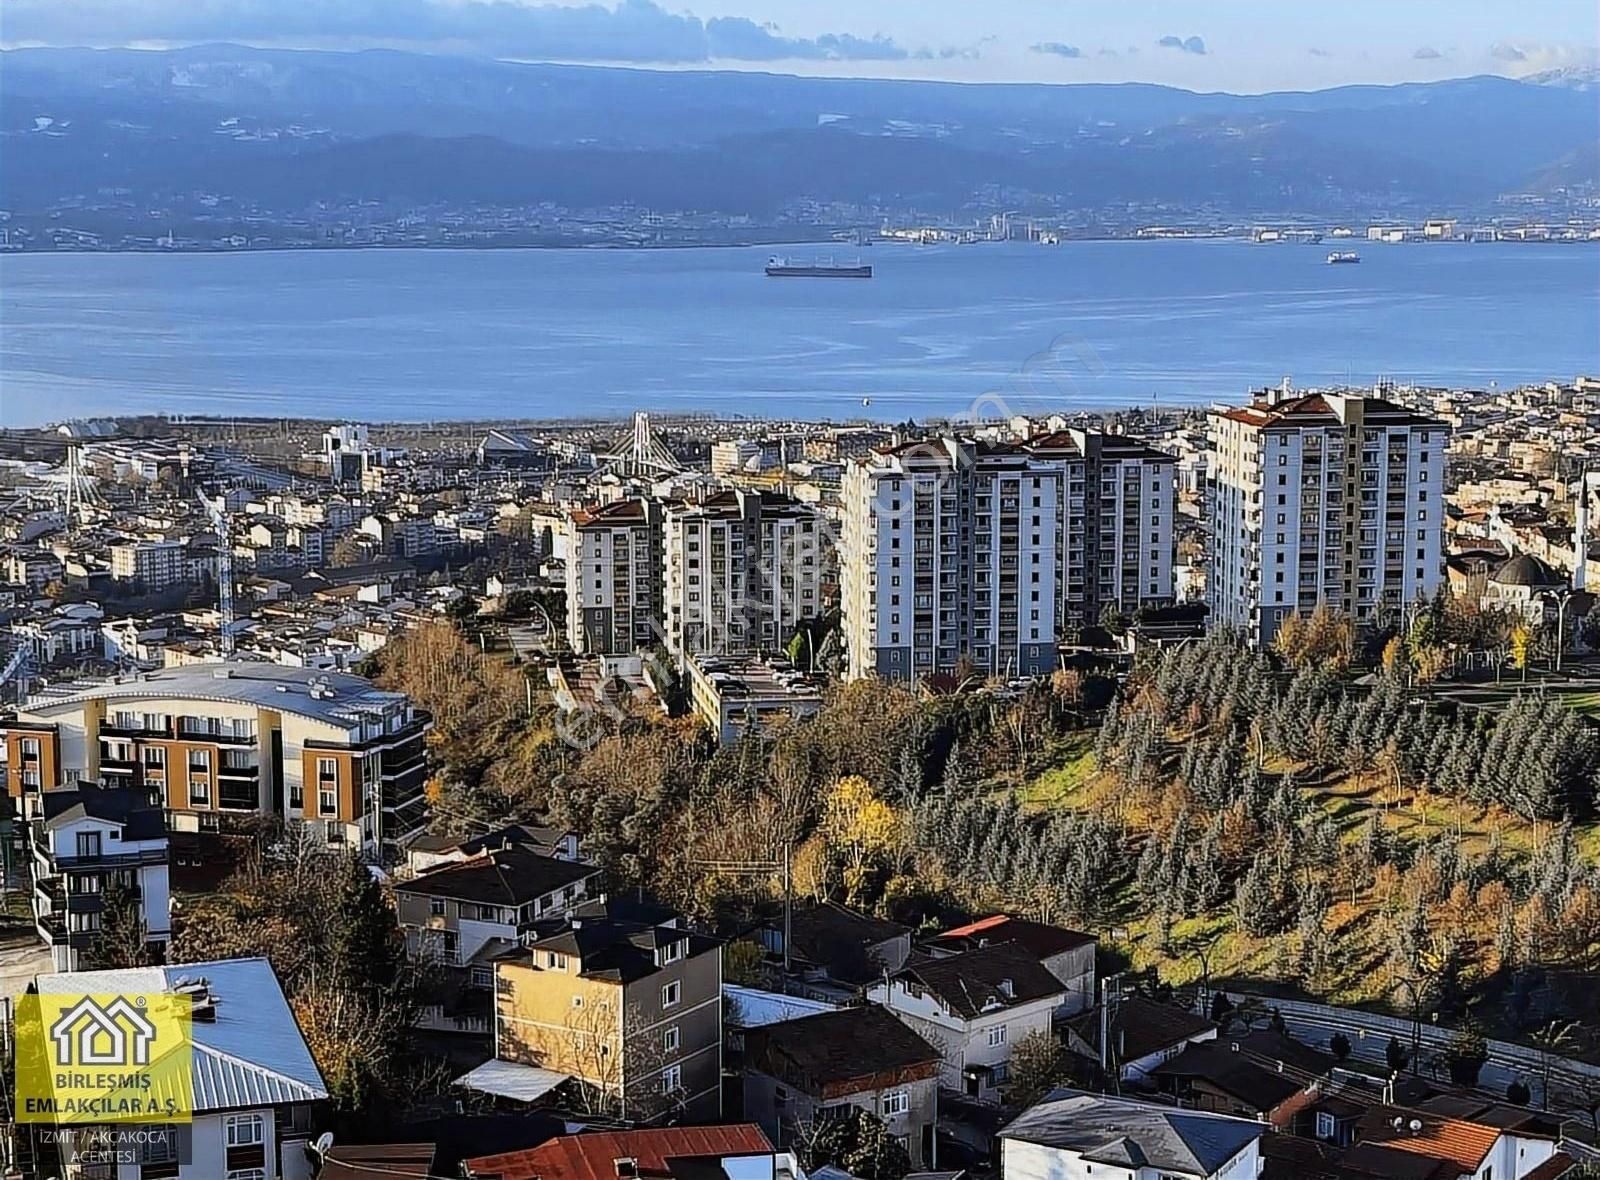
{"x":614,"y":583}
{"x":1322,"y":498}
{"x":743,"y":568}
{"x":1116,"y":525}
{"x":949,"y":551}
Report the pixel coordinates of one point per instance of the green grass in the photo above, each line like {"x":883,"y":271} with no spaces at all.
{"x":1585,"y":702}
{"x":1065,"y":782}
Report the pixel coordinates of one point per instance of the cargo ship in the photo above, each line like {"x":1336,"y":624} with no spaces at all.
{"x":782,"y":268}
{"x":1339,"y":256}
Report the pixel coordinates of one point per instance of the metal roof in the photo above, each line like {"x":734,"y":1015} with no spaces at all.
{"x":507,"y":1079}
{"x":252,"y":1054}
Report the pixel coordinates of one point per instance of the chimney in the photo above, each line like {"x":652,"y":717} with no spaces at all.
{"x":625,"y":1167}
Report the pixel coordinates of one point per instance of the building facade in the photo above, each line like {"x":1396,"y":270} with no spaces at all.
{"x":1323,"y":498}
{"x":949,"y":552}
{"x":213,"y":743}
{"x":614,"y":586}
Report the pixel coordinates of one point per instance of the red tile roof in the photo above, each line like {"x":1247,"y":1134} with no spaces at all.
{"x":1456,"y":1141}
{"x":1035,"y":937}
{"x":593,"y":1156}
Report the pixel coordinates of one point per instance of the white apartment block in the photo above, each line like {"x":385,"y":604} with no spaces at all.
{"x":155,"y":565}
{"x":949,"y":549}
{"x":1335,"y":498}
{"x":1116,"y":525}
{"x":743,"y":568}
{"x":614,"y":578}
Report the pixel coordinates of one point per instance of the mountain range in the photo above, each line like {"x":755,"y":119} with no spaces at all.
{"x":290,"y":129}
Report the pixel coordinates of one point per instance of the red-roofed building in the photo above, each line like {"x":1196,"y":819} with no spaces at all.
{"x":737,"y":1152}
{"x":1066,"y":954}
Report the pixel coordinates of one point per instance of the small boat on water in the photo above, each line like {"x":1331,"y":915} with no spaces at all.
{"x":1339,"y":256}
{"x":782,"y":268}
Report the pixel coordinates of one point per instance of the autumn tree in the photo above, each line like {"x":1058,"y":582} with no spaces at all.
{"x":123,"y":939}
{"x":855,"y":1141}
{"x":861,"y":829}
{"x":1038,"y":1065}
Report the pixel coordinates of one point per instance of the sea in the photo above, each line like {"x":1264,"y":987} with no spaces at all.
{"x":980,"y":331}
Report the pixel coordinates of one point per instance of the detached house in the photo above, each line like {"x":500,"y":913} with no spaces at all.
{"x":255,"y":1087}
{"x":1066,"y":954}
{"x":976,"y":1006}
{"x":797,"y":1071}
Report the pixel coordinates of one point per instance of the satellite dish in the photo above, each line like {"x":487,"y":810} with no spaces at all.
{"x":324,"y":1144}
{"x":1415,"y":1125}
{"x":1398,"y":1122}
{"x":866,"y":401}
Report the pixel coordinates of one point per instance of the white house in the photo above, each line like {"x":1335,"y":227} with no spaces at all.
{"x":254,"y":1082}
{"x":974,"y":1007}
{"x":1073,"y":1135}
{"x":89,"y":841}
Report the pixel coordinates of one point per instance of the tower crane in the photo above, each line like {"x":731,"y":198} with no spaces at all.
{"x":221,"y":524}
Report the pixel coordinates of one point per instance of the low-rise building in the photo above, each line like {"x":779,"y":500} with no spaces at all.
{"x":975,"y":1007}
{"x":736,"y":1152}
{"x":88,"y":845}
{"x":1066,"y":954}
{"x":799,"y":1071}
{"x":735,"y":696}
{"x":1077,"y":1134}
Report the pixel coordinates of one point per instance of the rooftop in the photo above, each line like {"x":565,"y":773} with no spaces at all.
{"x":837,"y":1053}
{"x":1037,"y":938}
{"x":594,"y":1156}
{"x":120,"y":805}
{"x":984,"y":980}
{"x":506,"y":876}
{"x":333,"y":697}
{"x":1128,"y":1134}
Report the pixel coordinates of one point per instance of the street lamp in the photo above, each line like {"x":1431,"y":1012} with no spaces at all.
{"x":1562,"y":597}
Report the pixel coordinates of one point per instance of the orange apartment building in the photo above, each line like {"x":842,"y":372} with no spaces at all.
{"x":213,"y":743}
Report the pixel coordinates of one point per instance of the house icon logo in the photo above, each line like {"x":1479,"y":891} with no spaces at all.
{"x":116,"y":1032}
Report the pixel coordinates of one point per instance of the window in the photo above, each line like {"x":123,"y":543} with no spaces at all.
{"x":155,"y":757}
{"x":436,"y":906}
{"x":670,"y":1039}
{"x":199,"y":761}
{"x":483,"y":976}
{"x":244,"y":1130}
{"x":672,"y":1079}
{"x":297,"y":796}
{"x":896,"y":1102}
{"x":1325,"y":1125}
{"x":577,"y":1001}
{"x":247,"y":1174}
{"x":88,"y":843}
{"x":327,"y":798}
{"x":199,"y":793}
{"x":997,"y":1035}
{"x":671,"y":994}
{"x":554,"y":961}
{"x":670,"y":953}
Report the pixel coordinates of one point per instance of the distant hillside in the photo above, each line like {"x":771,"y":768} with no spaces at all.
{"x":280,"y":129}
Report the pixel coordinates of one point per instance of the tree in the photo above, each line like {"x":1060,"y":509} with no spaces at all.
{"x":122,"y":940}
{"x":1396,"y":1055}
{"x":855,"y":1141}
{"x":742,"y":962}
{"x":1465,"y":1055}
{"x":861,"y":829}
{"x":1038,"y":1064}
{"x":1339,"y":1046}
{"x":1522,"y":642}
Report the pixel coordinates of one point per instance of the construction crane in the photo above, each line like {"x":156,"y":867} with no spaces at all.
{"x":17,"y":667}
{"x":222,"y":526}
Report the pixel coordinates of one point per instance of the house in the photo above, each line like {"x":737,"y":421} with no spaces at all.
{"x":736,"y":1152}
{"x":833,"y":950}
{"x":1264,"y":1076}
{"x":975,"y":1006}
{"x":86,"y":842}
{"x":255,"y":1087}
{"x":1077,"y":1134}
{"x":428,"y":851}
{"x":627,"y":1006}
{"x":1409,"y":1141}
{"x":800,"y":1070}
{"x":1066,"y":954}
{"x":1143,"y":1034}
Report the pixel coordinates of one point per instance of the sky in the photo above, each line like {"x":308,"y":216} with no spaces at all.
{"x":1235,"y":45}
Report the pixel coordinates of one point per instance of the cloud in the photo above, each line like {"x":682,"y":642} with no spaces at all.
{"x":1056,"y":48}
{"x":1504,"y":51}
{"x":630,"y":31}
{"x":1427,"y":53}
{"x":1315,"y":52}
{"x":1186,"y":44}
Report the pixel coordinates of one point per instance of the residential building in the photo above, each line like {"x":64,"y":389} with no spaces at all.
{"x":799,"y":1071}
{"x":630,"y":1008}
{"x":33,"y":568}
{"x":1323,"y":498}
{"x":743,"y":569}
{"x":1262,"y":1075}
{"x":833,"y":952}
{"x":948,"y":552}
{"x":256,"y":1089}
{"x":1135,"y":1035}
{"x":975,"y":1007}
{"x":1484,"y":1141}
{"x":1077,"y":1134}
{"x":735,"y":1152}
{"x":428,"y":851}
{"x":87,"y":843}
{"x":1066,"y":954}
{"x":1116,"y":542}
{"x":614,"y":581}
{"x":218,"y":742}
{"x":151,"y":566}
{"x":744,"y":694}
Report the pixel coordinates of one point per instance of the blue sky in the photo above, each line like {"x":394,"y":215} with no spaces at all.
{"x":1239,"y":45}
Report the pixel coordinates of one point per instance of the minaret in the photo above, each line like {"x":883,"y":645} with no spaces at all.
{"x":1580,"y":532}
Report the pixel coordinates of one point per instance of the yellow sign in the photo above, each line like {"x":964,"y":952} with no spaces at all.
{"x":104,"y":1058}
